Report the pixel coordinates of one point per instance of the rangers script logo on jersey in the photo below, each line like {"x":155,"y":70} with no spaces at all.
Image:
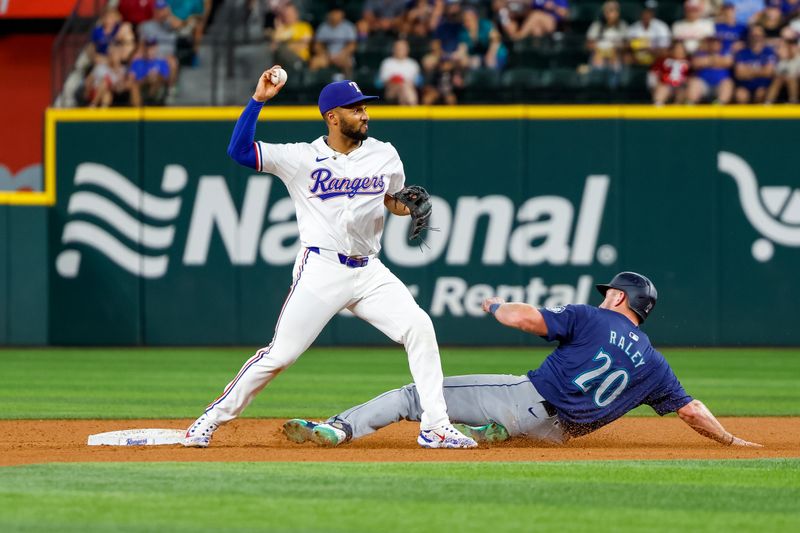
{"x":327,"y":186}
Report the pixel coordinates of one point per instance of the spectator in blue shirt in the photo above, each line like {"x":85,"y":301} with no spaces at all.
{"x":335,"y":43}
{"x":731,"y":33}
{"x":381,"y":16}
{"x":791,"y":8}
{"x":149,"y":76}
{"x":712,"y":73}
{"x":110,"y":28}
{"x":544,"y":18}
{"x":447,"y":21}
{"x":449,"y":24}
{"x":754,"y":68}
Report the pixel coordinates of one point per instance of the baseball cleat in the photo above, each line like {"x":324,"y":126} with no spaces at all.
{"x":299,"y":430}
{"x":488,"y":434}
{"x":445,"y":436}
{"x":199,"y":434}
{"x":328,"y":435}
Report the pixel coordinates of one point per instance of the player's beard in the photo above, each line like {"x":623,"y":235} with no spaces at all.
{"x":354,"y":132}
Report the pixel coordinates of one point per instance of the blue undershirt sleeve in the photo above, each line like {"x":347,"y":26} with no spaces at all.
{"x":241,"y":146}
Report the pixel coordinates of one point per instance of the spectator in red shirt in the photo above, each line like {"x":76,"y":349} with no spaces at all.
{"x":136,"y":11}
{"x":671,"y":74}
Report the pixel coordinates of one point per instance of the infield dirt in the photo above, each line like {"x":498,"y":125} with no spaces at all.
{"x":48,"y":441}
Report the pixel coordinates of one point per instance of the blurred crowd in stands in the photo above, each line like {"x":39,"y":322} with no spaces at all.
{"x":743,"y":51}
{"x":430,"y":51}
{"x":137,"y":49}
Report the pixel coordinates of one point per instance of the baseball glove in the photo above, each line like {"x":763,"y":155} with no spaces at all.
{"x":418,"y":202}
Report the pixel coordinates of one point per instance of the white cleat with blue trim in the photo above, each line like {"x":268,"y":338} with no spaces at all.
{"x":199,"y":434}
{"x":445,"y":436}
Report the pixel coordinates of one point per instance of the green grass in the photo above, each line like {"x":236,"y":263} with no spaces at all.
{"x":171,"y":383}
{"x":486,"y":497}
{"x":621,"y":496}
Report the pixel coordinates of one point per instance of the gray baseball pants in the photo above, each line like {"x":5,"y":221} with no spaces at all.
{"x":475,"y":400}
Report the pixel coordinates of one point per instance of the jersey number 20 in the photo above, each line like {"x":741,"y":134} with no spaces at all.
{"x":612,"y":384}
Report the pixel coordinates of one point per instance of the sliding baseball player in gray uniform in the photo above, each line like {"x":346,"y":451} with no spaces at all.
{"x":603,"y":367}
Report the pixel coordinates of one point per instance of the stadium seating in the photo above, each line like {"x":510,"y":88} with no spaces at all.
{"x":549,"y":69}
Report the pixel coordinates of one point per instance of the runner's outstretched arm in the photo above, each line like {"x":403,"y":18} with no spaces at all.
{"x":700,"y":419}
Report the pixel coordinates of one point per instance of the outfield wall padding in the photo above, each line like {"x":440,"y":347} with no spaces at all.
{"x":158,"y":238}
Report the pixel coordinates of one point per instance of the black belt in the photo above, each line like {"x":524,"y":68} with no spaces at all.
{"x":353,"y":261}
{"x":549,"y":409}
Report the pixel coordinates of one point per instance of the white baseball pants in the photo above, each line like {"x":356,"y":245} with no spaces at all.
{"x":322,"y":287}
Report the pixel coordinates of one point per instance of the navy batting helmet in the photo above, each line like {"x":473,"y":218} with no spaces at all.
{"x":640,"y":291}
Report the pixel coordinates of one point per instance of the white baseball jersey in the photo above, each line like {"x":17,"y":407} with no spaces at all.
{"x":338,"y":197}
{"x":339,"y":203}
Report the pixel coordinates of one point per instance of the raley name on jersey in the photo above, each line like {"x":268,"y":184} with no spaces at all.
{"x":326,"y":186}
{"x":626,"y":345}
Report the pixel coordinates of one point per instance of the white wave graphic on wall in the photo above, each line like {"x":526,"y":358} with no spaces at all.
{"x":150,"y":264}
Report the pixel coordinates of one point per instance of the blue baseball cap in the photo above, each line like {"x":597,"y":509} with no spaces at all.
{"x":341,"y":93}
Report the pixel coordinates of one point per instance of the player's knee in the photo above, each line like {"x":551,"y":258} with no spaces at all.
{"x":419,"y":327}
{"x":409,"y":390}
{"x":281,"y":358}
{"x":410,"y":397}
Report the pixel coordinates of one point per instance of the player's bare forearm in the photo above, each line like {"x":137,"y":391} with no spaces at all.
{"x":516,"y":315}
{"x":700,"y":419}
{"x":395,"y":207}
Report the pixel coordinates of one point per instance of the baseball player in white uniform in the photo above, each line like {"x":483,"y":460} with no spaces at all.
{"x":340,"y":185}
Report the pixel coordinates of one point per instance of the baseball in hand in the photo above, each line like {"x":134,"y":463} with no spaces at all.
{"x":278,"y":76}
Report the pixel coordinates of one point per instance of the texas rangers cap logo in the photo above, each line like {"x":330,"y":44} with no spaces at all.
{"x":341,"y":93}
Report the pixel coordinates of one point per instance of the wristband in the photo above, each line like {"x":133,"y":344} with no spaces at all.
{"x":493,"y":308}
